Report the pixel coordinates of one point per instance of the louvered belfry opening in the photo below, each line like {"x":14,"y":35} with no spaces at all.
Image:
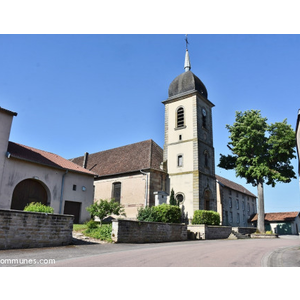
{"x":180,"y":117}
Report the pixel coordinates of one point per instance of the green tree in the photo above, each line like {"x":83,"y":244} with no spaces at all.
{"x":262,"y":153}
{"x":105,"y":208}
{"x":172,"y":198}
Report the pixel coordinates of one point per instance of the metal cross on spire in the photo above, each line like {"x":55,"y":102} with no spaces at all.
{"x":186,"y":42}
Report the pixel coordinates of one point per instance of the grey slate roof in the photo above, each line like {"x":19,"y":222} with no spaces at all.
{"x":186,"y":82}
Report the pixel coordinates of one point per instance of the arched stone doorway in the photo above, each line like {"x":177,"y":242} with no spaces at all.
{"x":28,"y":191}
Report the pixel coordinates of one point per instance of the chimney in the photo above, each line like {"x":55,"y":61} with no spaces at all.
{"x":85,"y":159}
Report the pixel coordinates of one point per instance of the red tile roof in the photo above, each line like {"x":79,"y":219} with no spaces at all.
{"x":43,"y":158}
{"x":130,"y":158}
{"x":234,"y":186}
{"x":279,"y":217}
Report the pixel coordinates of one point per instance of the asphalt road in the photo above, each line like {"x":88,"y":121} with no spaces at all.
{"x":284,"y":251}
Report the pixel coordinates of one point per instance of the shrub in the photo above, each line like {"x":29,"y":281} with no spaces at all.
{"x":104,"y":208}
{"x":38,"y":207}
{"x":102,"y":233}
{"x":91,"y":224}
{"x":207,"y":217}
{"x":146,"y":214}
{"x":167,"y":213}
{"x":162,"y":213}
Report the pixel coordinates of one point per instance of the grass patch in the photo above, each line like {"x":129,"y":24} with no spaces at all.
{"x":102,"y":233}
{"x":79,"y":227}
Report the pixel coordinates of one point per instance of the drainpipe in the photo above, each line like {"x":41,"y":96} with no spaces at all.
{"x":62,"y":191}
{"x":146,"y":195}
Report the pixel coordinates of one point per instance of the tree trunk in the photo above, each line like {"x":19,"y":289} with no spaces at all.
{"x":261,"y":208}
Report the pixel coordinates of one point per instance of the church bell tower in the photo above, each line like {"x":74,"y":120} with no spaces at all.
{"x":188,"y":148}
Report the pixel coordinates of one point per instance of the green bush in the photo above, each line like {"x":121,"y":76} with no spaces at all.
{"x":167,"y":213}
{"x":162,"y":213}
{"x":146,"y":214}
{"x":91,"y":224}
{"x":102,"y":233}
{"x":207,"y":217}
{"x":38,"y":207}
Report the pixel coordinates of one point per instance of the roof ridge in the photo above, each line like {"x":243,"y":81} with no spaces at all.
{"x":149,"y":140}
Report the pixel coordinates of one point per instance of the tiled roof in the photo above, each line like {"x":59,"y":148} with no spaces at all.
{"x":130,"y":158}
{"x":43,"y":158}
{"x":279,"y":217}
{"x":234,"y":186}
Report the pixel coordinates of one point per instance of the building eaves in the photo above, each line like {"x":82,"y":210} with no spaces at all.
{"x":234,"y":186}
{"x":44,"y":158}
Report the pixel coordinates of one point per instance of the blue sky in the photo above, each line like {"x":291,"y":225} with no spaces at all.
{"x":78,"y":93}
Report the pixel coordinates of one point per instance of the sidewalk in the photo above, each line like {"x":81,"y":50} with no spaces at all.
{"x":284,"y":257}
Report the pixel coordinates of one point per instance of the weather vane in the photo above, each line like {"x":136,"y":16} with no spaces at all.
{"x":186,"y":41}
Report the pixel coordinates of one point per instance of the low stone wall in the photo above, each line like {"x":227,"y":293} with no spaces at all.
{"x":208,"y":232}
{"x":20,"y":229}
{"x":128,"y":231}
{"x":244,"y":230}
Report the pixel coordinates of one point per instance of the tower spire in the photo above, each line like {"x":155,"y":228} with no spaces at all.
{"x":187,"y":63}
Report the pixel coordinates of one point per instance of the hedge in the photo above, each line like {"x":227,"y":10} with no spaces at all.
{"x":161,"y":213}
{"x":207,"y":217}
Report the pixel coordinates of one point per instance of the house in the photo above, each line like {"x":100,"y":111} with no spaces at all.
{"x":236,"y":204}
{"x":32,"y":175}
{"x":281,"y":222}
{"x":130,"y":174}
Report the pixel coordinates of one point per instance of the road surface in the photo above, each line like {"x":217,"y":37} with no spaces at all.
{"x":284,"y":251}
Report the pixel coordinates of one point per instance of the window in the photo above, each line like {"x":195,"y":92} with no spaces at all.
{"x":74,"y":187}
{"x":180,"y":198}
{"x":180,"y":117}
{"x":230,"y":202}
{"x":237,"y":204}
{"x":180,"y":137}
{"x":243,"y":205}
{"x":230,"y":217}
{"x":238,"y":218}
{"x":116,"y":192}
{"x":203,"y":121}
{"x":179,"y":161}
{"x":248,"y":206}
{"x":206,"y":159}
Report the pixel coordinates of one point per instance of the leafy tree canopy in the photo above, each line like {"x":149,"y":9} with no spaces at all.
{"x":261,"y":152}
{"x":105,"y":208}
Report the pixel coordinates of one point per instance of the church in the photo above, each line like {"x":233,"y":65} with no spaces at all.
{"x":144,"y":174}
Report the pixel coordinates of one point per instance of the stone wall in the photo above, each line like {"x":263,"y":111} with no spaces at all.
{"x":244,"y":230}
{"x":208,"y":232}
{"x":127,"y":231}
{"x":20,"y":229}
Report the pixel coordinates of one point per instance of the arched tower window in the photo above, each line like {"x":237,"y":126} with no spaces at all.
{"x":180,"y":117}
{"x":206,"y":159}
{"x":116,"y":191}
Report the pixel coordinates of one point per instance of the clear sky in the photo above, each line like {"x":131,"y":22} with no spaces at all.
{"x":88,"y":93}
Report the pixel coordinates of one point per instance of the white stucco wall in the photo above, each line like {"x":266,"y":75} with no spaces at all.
{"x":132,"y":192}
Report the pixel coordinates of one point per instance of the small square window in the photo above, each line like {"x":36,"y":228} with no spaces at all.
{"x":180,"y":137}
{"x":74,"y":187}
